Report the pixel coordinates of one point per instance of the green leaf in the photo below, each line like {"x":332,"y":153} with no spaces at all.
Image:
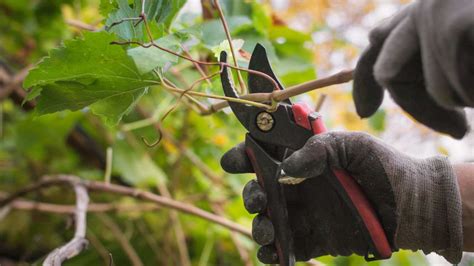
{"x":167,"y":11}
{"x":114,"y":108}
{"x":236,"y":8}
{"x":84,"y":72}
{"x":377,"y":121}
{"x":261,"y":18}
{"x":148,"y":59}
{"x":287,"y":41}
{"x":293,"y":70}
{"x":160,"y":12}
{"x":289,"y":35}
{"x":37,"y":137}
{"x":213,"y":32}
{"x":225,"y":46}
{"x":135,"y":167}
{"x":126,"y":29}
{"x":107,"y":6}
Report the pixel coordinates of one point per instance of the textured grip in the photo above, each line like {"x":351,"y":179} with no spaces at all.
{"x":350,"y":191}
{"x":268,"y":171}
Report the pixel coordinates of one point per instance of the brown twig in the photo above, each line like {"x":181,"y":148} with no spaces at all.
{"x":194,"y":84}
{"x":221,"y":64}
{"x":138,"y":19}
{"x":80,"y":25}
{"x":27,"y":205}
{"x":130,"y":192}
{"x":79,"y":241}
{"x":322,"y":98}
{"x":243,"y":99}
{"x":196,"y":65}
{"x":12,"y":83}
{"x":197,"y":162}
{"x":277,"y":96}
{"x":98,"y":246}
{"x":243,"y":89}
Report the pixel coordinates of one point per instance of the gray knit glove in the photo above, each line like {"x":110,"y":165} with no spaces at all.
{"x":424,"y":56}
{"x":418,"y":199}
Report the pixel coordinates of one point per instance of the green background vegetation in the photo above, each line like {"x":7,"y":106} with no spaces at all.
{"x":94,"y":96}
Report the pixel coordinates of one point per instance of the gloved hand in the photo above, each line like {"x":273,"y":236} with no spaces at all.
{"x":417,"y":200}
{"x":424,"y":56}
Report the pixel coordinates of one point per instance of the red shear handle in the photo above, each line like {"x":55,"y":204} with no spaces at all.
{"x":348,"y":188}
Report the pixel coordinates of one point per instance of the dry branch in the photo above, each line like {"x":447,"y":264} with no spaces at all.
{"x":11,"y":82}
{"x":130,"y":192}
{"x":79,"y":241}
{"x":231,"y":45}
{"x":321,"y":100}
{"x":27,"y":205}
{"x":280,"y":95}
{"x":80,"y":25}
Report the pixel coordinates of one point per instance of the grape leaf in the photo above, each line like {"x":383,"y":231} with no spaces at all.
{"x":213,"y":33}
{"x":136,"y":167}
{"x":85,"y":72}
{"x":127,"y":29}
{"x":261,"y":17}
{"x":148,"y":59}
{"x":158,"y":12}
{"x":167,"y":11}
{"x":107,"y":6}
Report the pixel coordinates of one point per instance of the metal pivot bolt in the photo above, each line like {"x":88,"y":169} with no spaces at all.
{"x":265,"y":121}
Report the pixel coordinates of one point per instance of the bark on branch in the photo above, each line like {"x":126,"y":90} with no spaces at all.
{"x":79,"y":241}
{"x":130,"y":192}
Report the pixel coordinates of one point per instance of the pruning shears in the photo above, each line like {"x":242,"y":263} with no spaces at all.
{"x":272,"y":136}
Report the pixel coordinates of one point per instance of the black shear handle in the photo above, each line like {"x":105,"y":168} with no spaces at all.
{"x":268,"y":171}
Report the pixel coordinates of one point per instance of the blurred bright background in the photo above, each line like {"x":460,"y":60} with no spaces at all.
{"x":306,"y":39}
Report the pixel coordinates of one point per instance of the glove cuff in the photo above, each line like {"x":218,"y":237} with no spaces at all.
{"x":452,"y":214}
{"x":430,"y":209}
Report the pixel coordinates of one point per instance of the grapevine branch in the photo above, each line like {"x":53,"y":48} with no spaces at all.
{"x":221,"y":64}
{"x":79,"y":241}
{"x":130,"y":192}
{"x":280,"y":95}
{"x":143,"y":18}
{"x":27,"y":205}
{"x":231,"y":45}
{"x":250,"y":99}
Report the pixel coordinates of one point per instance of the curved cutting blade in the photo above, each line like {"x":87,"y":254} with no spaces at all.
{"x":240,"y":110}
{"x":259,"y":62}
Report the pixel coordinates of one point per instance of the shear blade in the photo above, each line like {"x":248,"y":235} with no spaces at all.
{"x":259,"y":62}
{"x":242,"y":111}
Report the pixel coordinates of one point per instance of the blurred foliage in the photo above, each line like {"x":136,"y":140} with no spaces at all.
{"x":83,"y":75}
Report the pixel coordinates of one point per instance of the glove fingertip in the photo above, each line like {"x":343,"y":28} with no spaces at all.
{"x":262,"y":230}
{"x":366,"y":92}
{"x":292,"y":165}
{"x":309,"y":161}
{"x":235,"y":161}
{"x":460,"y":128}
{"x":267,"y":254}
{"x":255,"y":199}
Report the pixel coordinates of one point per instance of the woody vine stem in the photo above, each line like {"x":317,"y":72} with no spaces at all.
{"x":260,"y":100}
{"x":82,"y":187}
